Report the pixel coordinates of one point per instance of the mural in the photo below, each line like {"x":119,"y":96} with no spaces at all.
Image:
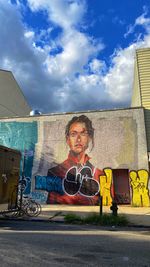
{"x":68,"y":167}
{"x":76,"y":180}
{"x":105,"y":187}
{"x":23,"y":137}
{"x":139,"y":183}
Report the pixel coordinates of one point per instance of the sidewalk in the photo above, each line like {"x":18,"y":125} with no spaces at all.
{"x":139,"y":216}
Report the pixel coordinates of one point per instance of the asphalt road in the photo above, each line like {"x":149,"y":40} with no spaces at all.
{"x":57,"y":244}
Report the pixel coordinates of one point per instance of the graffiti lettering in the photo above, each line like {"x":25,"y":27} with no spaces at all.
{"x":139,"y":184}
{"x":39,"y":196}
{"x":49,"y":184}
{"x":80,"y":182}
{"x":23,"y":183}
{"x":122,"y":198}
{"x":105,"y":187}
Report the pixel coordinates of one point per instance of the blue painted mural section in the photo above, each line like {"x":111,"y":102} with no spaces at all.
{"x":41,"y":197}
{"x":49,"y":184}
{"x":23,"y":137}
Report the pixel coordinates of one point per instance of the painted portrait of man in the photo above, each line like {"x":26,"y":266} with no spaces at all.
{"x":80,"y":179}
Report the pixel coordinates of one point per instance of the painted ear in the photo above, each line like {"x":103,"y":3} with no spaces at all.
{"x":68,"y":141}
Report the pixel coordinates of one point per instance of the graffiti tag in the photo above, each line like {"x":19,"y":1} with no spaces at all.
{"x":49,"y":184}
{"x":80,"y":182}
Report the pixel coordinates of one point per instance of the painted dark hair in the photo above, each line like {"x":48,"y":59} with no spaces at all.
{"x":82,"y":119}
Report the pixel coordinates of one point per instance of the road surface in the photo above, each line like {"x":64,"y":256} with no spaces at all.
{"x":42,"y":244}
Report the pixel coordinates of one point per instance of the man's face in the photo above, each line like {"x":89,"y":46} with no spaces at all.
{"x":78,"y":138}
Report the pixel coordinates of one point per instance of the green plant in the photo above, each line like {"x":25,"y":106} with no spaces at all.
{"x":109,"y":219}
{"x":72,"y":218}
{"x":94,"y":218}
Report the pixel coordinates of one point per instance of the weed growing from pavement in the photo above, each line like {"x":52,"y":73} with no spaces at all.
{"x":96,"y":219}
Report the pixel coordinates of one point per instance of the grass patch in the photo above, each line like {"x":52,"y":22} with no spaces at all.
{"x":72,"y":218}
{"x":96,"y":219}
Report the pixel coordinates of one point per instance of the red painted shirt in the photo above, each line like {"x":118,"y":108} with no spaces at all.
{"x":80,"y":182}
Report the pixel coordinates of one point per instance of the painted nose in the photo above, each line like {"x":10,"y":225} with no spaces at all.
{"x":79,"y":137}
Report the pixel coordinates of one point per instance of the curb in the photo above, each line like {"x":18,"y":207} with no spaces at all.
{"x":47,"y":220}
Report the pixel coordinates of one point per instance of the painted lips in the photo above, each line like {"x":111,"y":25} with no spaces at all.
{"x":78,"y":145}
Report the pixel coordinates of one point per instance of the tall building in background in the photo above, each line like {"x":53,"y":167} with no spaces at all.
{"x":141,"y":87}
{"x":12,"y":100}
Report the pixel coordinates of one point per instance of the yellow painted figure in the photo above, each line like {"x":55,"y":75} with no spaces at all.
{"x":139,"y":183}
{"x":105,"y":187}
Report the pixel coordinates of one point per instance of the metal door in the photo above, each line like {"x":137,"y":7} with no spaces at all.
{"x":121,"y":187}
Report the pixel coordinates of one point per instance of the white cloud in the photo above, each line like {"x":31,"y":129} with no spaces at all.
{"x":73,"y":79}
{"x":142,"y":20}
{"x":130,"y":30}
{"x":64,"y":13}
{"x":40,"y":74}
{"x":29,"y":34}
{"x":119,"y":79}
{"x":75,"y":54}
{"x":97,"y":66}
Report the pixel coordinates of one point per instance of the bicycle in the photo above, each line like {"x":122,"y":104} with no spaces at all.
{"x":27,"y":206}
{"x":30,"y":207}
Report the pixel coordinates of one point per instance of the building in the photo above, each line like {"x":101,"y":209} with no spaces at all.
{"x":120,"y":153}
{"x":12,"y":100}
{"x":141,"y":88}
{"x":117,"y":167}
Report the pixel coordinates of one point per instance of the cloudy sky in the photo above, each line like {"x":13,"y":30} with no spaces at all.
{"x":73,"y":55}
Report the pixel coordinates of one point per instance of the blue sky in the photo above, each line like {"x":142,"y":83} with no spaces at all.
{"x":73,"y":55}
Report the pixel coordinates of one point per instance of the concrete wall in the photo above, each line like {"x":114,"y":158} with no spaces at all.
{"x":120,"y":143}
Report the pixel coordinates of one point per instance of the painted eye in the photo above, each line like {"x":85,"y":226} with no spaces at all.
{"x":84,"y":133}
{"x":73,"y":134}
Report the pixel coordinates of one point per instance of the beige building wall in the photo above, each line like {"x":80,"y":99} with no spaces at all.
{"x":136,"y":96}
{"x":12,"y":100}
{"x":119,"y":143}
{"x":119,"y":139}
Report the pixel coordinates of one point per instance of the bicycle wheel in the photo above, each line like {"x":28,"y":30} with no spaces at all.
{"x":33,"y":209}
{"x":10,"y":215}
